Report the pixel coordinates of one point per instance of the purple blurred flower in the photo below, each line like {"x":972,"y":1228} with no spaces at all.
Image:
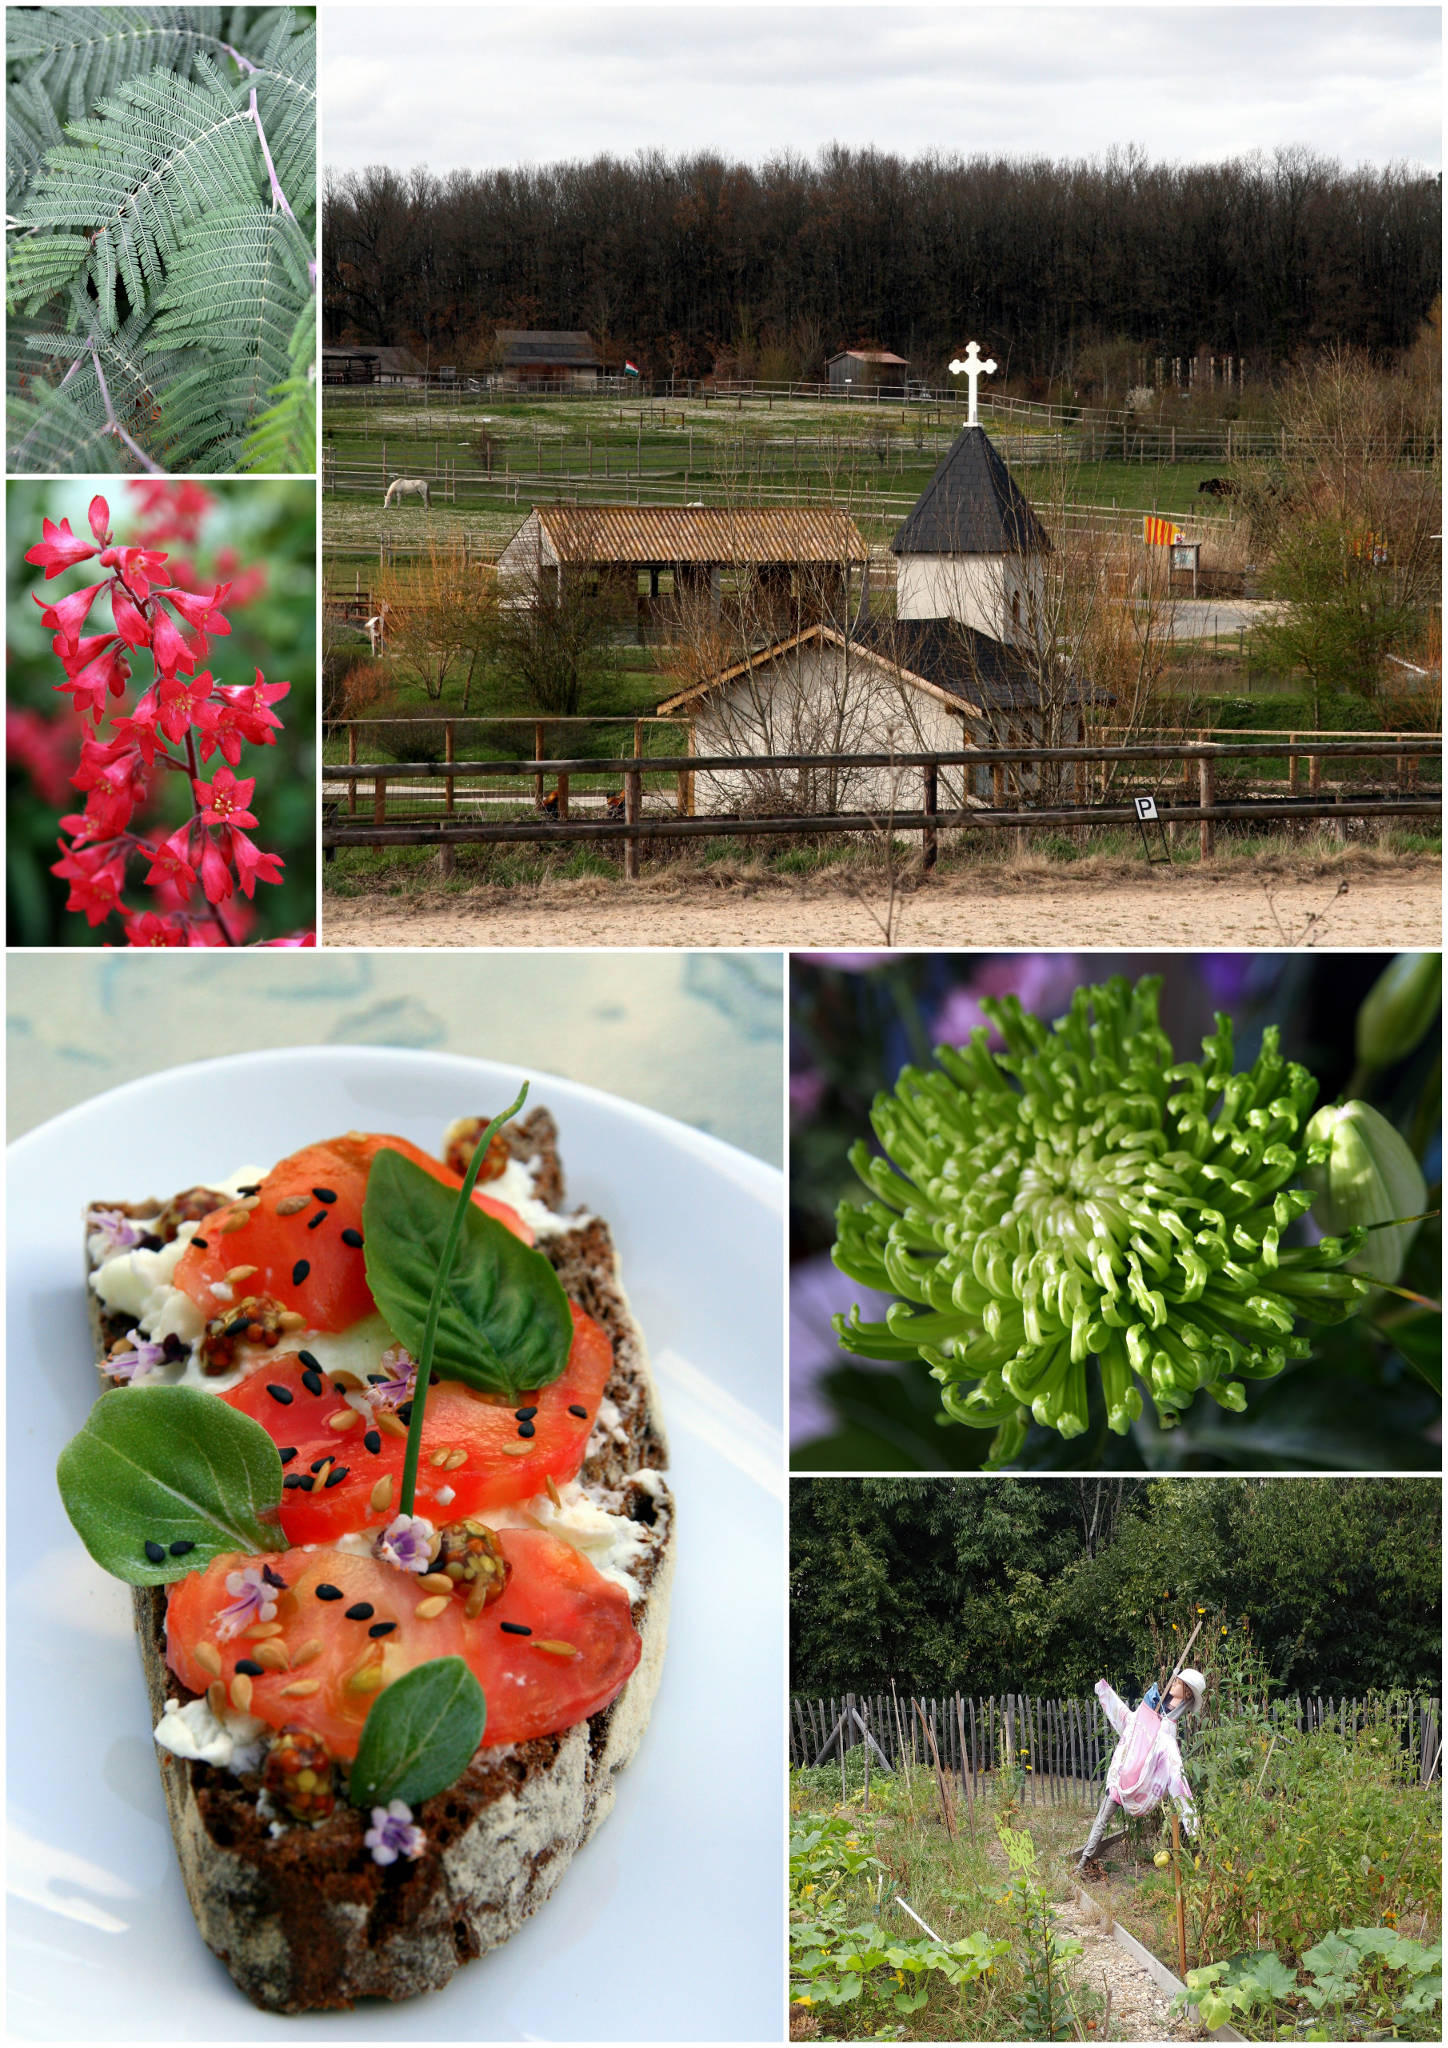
{"x":142,"y":1357}
{"x":806,"y":1093}
{"x":818,"y":1290}
{"x":848,"y":963}
{"x":406,"y":1542}
{"x":1043,"y":981}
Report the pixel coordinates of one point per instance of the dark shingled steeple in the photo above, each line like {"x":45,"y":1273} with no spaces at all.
{"x":971,"y":507}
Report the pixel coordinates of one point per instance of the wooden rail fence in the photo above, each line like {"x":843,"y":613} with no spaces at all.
{"x":1062,"y":1746}
{"x":447,"y":828}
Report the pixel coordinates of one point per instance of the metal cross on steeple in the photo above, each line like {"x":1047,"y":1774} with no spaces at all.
{"x":974,"y":369}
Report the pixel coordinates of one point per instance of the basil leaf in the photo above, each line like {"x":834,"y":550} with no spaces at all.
{"x":505,"y":1325}
{"x":420,"y":1735}
{"x":166,"y":1465}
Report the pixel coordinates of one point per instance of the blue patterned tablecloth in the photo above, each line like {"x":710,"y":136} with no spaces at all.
{"x":697,"y":1036}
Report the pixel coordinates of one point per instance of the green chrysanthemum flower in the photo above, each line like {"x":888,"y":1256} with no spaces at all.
{"x":1080,"y":1196}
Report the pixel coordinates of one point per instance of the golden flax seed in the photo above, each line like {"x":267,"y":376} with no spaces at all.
{"x":292,"y":1205}
{"x":241,"y":1693}
{"x":554,"y":1649}
{"x":309,"y":1651}
{"x":388,"y":1423}
{"x":209,"y":1658}
{"x":301,"y":1688}
{"x":381,"y":1496}
{"x":553,"y":1494}
{"x":366,"y":1678}
{"x":436,"y":1582}
{"x":216,"y":1697}
{"x":239,"y":1273}
{"x":429,"y":1610}
{"x":438,"y":1458}
{"x":454,"y":1459}
{"x":260,"y":1630}
{"x":515,"y":1450}
{"x":272,"y":1656}
{"x":345,"y":1418}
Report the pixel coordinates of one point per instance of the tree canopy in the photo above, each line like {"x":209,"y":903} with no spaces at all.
{"x":1045,"y":1585}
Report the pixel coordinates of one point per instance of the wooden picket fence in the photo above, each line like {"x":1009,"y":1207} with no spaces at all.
{"x":1063,"y":1746}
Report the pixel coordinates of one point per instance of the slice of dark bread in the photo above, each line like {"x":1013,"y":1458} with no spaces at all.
{"x":305,"y":1919}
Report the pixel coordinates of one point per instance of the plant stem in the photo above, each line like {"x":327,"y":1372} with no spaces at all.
{"x":154,"y":468}
{"x":279,"y":198}
{"x":434,"y":1306}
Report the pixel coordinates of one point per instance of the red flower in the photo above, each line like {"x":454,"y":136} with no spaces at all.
{"x":43,"y":749}
{"x":150,"y":930}
{"x":291,"y":939}
{"x":216,"y":878}
{"x":171,"y":511}
{"x":99,"y":515}
{"x":199,"y":610}
{"x":252,"y":865}
{"x":95,"y":888}
{"x":89,"y":682}
{"x":224,"y":800}
{"x":68,"y":614}
{"x":139,"y":730}
{"x":180,"y":704}
{"x":171,"y":863}
{"x":131,"y":624}
{"x":136,"y":565}
{"x":59,"y":551}
{"x":170,"y":647}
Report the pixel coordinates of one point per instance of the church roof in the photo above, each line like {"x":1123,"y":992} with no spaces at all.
{"x":971,"y":506}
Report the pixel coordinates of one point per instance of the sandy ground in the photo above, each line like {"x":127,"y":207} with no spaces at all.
{"x":1360,"y":901}
{"x":1140,"y":2010}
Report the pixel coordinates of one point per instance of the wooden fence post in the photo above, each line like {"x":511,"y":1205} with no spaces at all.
{"x":538,"y":755}
{"x":632,"y":803}
{"x":351,"y":763}
{"x":930,"y":775}
{"x":1207,"y":784}
{"x":449,"y":754}
{"x":1292,"y":760}
{"x":379,"y":800}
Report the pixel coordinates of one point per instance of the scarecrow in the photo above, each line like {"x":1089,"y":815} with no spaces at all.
{"x":1147,"y":1766}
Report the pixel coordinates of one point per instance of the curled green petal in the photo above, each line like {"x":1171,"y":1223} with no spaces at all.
{"x":1078,"y":1195}
{"x":1368,"y":1179}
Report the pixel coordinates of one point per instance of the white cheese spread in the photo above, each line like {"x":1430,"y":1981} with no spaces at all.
{"x":232,"y":1741}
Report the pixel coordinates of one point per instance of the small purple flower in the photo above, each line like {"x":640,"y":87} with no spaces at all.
{"x":848,"y":963}
{"x":401,"y":1369}
{"x":407,"y":1543}
{"x":806,"y":1093}
{"x":1043,"y":981}
{"x":111,"y":1232}
{"x":393,"y":1834}
{"x":141,"y":1358}
{"x":252,"y":1600}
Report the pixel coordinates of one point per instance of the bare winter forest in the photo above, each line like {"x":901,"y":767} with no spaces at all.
{"x":1069,"y":272}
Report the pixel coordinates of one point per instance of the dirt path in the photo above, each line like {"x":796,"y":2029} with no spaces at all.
{"x":1140,"y":2011}
{"x":1384,"y":903}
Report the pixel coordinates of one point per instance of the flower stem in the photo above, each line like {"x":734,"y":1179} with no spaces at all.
{"x":154,"y":468}
{"x":434,"y":1306}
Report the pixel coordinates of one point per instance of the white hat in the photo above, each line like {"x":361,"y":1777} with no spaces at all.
{"x":1198,"y":1685}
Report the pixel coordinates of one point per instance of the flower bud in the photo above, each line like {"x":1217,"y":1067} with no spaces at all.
{"x":1399,"y":1008}
{"x":1367,"y":1176}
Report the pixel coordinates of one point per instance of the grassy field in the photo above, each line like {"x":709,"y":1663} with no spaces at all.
{"x":494,"y":459}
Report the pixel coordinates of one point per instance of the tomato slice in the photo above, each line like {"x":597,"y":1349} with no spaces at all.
{"x":554,"y":1597}
{"x":500,"y":1464}
{"x":311,"y":1257}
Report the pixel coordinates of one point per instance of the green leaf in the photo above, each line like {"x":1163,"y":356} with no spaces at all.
{"x":421,"y":1735}
{"x":505,"y":1325}
{"x":167,"y":1465}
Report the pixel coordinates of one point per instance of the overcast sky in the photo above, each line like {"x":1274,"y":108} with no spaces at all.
{"x":457,"y":87}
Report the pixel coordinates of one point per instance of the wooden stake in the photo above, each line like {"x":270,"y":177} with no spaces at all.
{"x":1181,"y":1904}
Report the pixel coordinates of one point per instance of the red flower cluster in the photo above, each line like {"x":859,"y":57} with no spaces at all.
{"x":185,"y":709}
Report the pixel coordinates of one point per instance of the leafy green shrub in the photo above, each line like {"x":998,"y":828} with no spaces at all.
{"x":162,"y":177}
{"x":1370,"y":1981}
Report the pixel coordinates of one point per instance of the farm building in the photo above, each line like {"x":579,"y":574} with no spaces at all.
{"x":551,"y":356}
{"x":678,"y":561}
{"x":957,"y":667}
{"x":371,"y":364}
{"x":868,"y":369}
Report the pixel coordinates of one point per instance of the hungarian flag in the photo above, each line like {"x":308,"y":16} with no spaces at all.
{"x":1159,"y":533}
{"x":630,"y":369}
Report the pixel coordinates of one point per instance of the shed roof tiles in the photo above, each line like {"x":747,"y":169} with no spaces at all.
{"x":699,"y":535}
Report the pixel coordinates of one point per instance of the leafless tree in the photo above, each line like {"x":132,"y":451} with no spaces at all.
{"x":441,"y":611}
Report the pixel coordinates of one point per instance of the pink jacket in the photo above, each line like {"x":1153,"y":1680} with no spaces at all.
{"x":1147,"y":1765}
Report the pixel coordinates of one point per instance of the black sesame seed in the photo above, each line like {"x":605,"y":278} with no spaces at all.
{"x":293,"y":1479}
{"x":377,"y":1379}
{"x":274,"y":1578}
{"x":309,"y":1361}
{"x":181,"y":1549}
{"x":337,"y":1474}
{"x":525,"y":1414}
{"x":299,"y":1272}
{"x":514,"y":1628}
{"x":155,"y":1552}
{"x":354,"y":1238}
{"x":282,"y":1394}
{"x":287,"y":1453}
{"x":404,"y":1412}
{"x":581,"y":1413}
{"x":240,"y":1327}
{"x":307,"y":1481}
{"x":373,"y":1441}
{"x":363,"y":1611}
{"x":312,"y":1381}
{"x":250,"y":1666}
{"x":329,"y":1592}
{"x":313,"y":1221}
{"x":324,"y":1195}
{"x":317,"y":1463}
{"x":382,"y":1628}
{"x":254,"y":1189}
{"x":339,"y":1386}
{"x":526,"y":1429}
{"x":201,"y":1244}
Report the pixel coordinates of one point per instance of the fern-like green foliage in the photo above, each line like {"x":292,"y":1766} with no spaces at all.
{"x":161,"y":275}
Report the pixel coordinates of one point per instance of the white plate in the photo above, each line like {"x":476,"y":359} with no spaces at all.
{"x":669,"y":1924}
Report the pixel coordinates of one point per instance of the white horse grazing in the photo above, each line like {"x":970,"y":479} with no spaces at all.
{"x":376,"y":630}
{"x":408,"y":487}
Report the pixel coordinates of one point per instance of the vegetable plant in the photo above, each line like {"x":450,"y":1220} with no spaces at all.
{"x":161,"y":272}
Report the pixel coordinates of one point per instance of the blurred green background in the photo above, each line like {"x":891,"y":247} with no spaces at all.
{"x":261,"y":537}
